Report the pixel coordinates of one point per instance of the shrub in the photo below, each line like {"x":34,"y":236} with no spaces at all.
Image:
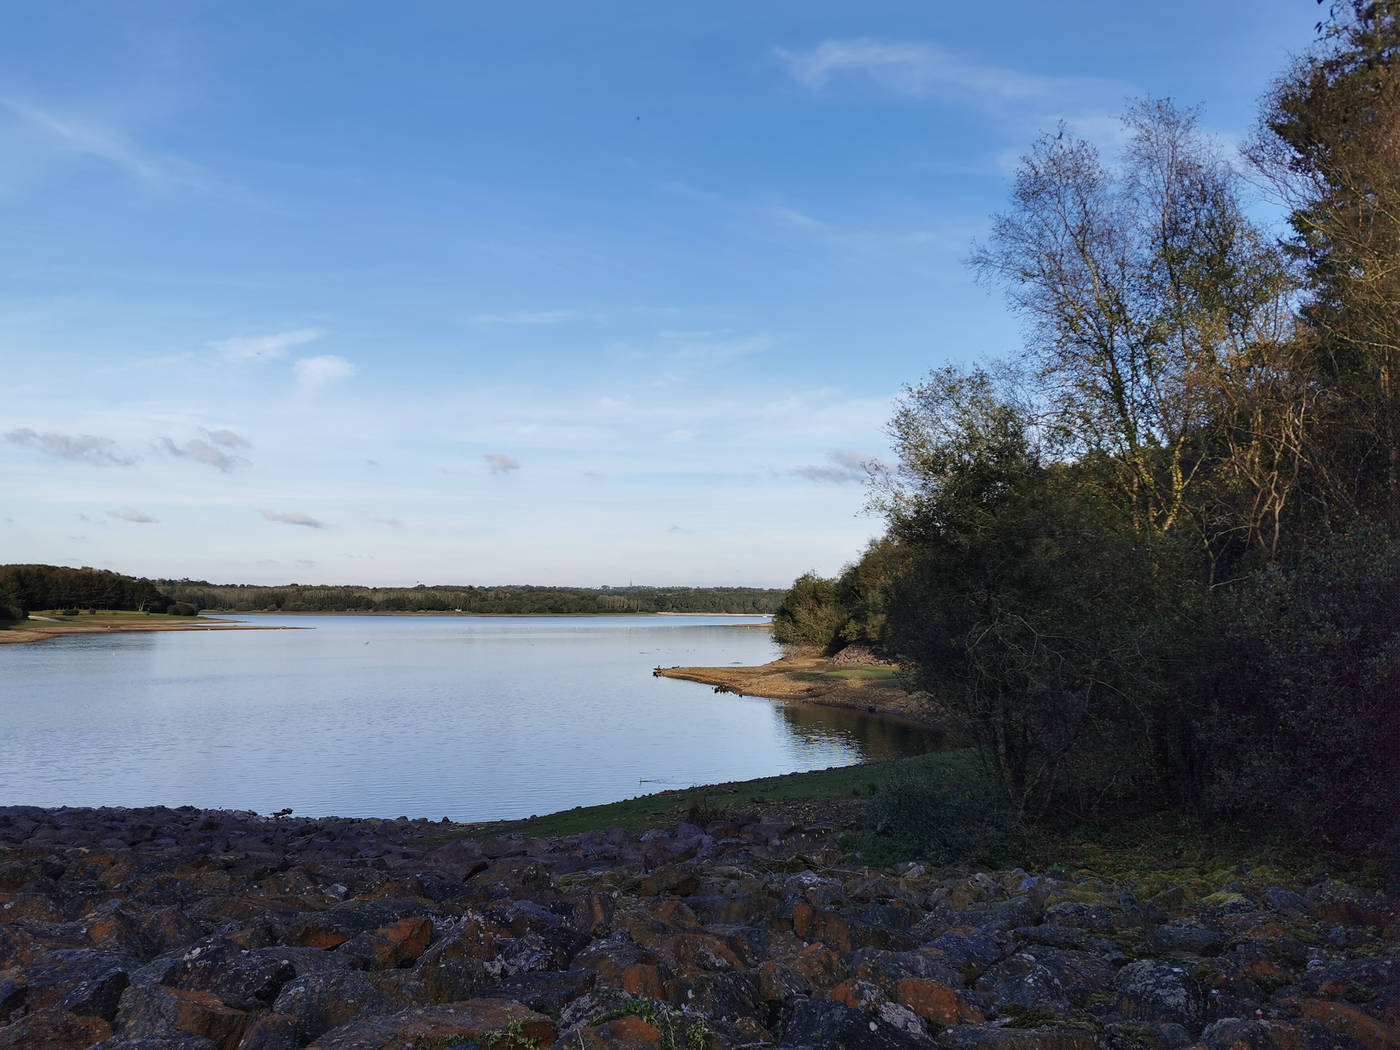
{"x":1304,"y":730}
{"x":945,"y":820}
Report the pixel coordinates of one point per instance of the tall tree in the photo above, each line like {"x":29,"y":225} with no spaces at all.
{"x":1329,"y":141}
{"x":1137,"y":286}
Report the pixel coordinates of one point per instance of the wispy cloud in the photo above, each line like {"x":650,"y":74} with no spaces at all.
{"x":500,"y":463}
{"x":922,"y":70}
{"x":292,"y":517}
{"x":209,"y":452}
{"x":91,"y":137}
{"x":81,"y":448}
{"x":313,"y":373}
{"x":265,"y":347}
{"x":842,"y":468}
{"x":132,"y":515}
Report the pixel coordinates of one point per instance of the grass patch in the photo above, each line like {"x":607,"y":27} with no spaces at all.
{"x":670,"y":807}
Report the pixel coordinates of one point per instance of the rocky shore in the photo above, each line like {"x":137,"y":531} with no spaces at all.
{"x":159,"y":929}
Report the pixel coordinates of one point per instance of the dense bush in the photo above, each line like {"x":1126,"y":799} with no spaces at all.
{"x":810,"y":614}
{"x":1304,"y":721}
{"x":943,"y":819}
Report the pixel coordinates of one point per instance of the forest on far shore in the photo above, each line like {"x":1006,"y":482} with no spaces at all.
{"x":498,"y":600}
{"x":32,"y":588}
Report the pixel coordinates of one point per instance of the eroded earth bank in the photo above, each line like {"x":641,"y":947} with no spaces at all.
{"x":159,"y":929}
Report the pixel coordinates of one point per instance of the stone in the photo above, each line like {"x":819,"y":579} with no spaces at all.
{"x":155,"y":1010}
{"x":316,"y":1003}
{"x":1158,"y":993}
{"x":819,"y":1024}
{"x":487,"y":1022}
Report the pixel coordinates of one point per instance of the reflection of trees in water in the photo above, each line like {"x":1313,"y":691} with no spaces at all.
{"x":878,"y":739}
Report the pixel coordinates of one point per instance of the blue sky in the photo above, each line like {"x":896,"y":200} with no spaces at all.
{"x":538,"y":292}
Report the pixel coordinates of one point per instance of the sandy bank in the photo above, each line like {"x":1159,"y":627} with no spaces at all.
{"x":808,"y":677}
{"x":42,"y":630}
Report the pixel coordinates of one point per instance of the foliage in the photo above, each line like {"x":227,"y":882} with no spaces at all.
{"x":504,"y":600}
{"x":1305,"y":720}
{"x":1327,"y":143}
{"x":34,"y":587}
{"x":1138,"y":285}
{"x":677,"y":1029}
{"x":1154,"y":564}
{"x":1030,"y":604}
{"x":863,"y":590}
{"x":183,"y":609}
{"x":942,"y":819}
{"x":810,"y":614}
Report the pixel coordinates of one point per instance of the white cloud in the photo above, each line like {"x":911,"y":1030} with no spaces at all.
{"x":923,"y":71}
{"x":500,"y":463}
{"x":294,"y":518}
{"x":265,"y":347}
{"x":91,"y":137}
{"x":313,"y":373}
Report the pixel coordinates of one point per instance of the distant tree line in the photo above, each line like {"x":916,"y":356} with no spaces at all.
{"x":30,"y":588}
{"x":516,"y":600}
{"x":1155,"y":559}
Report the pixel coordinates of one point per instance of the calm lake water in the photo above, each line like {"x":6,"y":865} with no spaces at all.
{"x":472,"y":718}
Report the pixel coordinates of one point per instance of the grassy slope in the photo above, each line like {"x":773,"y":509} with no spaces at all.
{"x":668,"y":807}
{"x":1153,"y":853}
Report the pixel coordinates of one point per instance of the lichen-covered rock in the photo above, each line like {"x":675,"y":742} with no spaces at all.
{"x":1159,"y":993}
{"x":186,"y":930}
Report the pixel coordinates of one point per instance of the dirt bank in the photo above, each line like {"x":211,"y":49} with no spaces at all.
{"x":34,"y":630}
{"x":809,"y":677}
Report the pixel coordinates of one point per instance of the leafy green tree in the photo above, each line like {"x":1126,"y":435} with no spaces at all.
{"x":863,"y":590}
{"x":1030,"y":603}
{"x":809,"y":614}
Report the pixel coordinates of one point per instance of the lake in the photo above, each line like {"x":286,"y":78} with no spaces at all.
{"x":472,"y":718}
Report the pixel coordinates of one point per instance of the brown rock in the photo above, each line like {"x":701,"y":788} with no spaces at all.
{"x":642,"y":979}
{"x":936,"y":1003}
{"x":623,"y":1033}
{"x":54,"y":1029}
{"x":154,"y":1010}
{"x":1339,"y":1017}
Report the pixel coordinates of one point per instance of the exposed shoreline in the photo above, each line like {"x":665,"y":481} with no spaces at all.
{"x":808,"y":678}
{"x":42,"y":630}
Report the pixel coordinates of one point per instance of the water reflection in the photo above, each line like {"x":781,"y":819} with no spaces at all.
{"x":877,"y":739}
